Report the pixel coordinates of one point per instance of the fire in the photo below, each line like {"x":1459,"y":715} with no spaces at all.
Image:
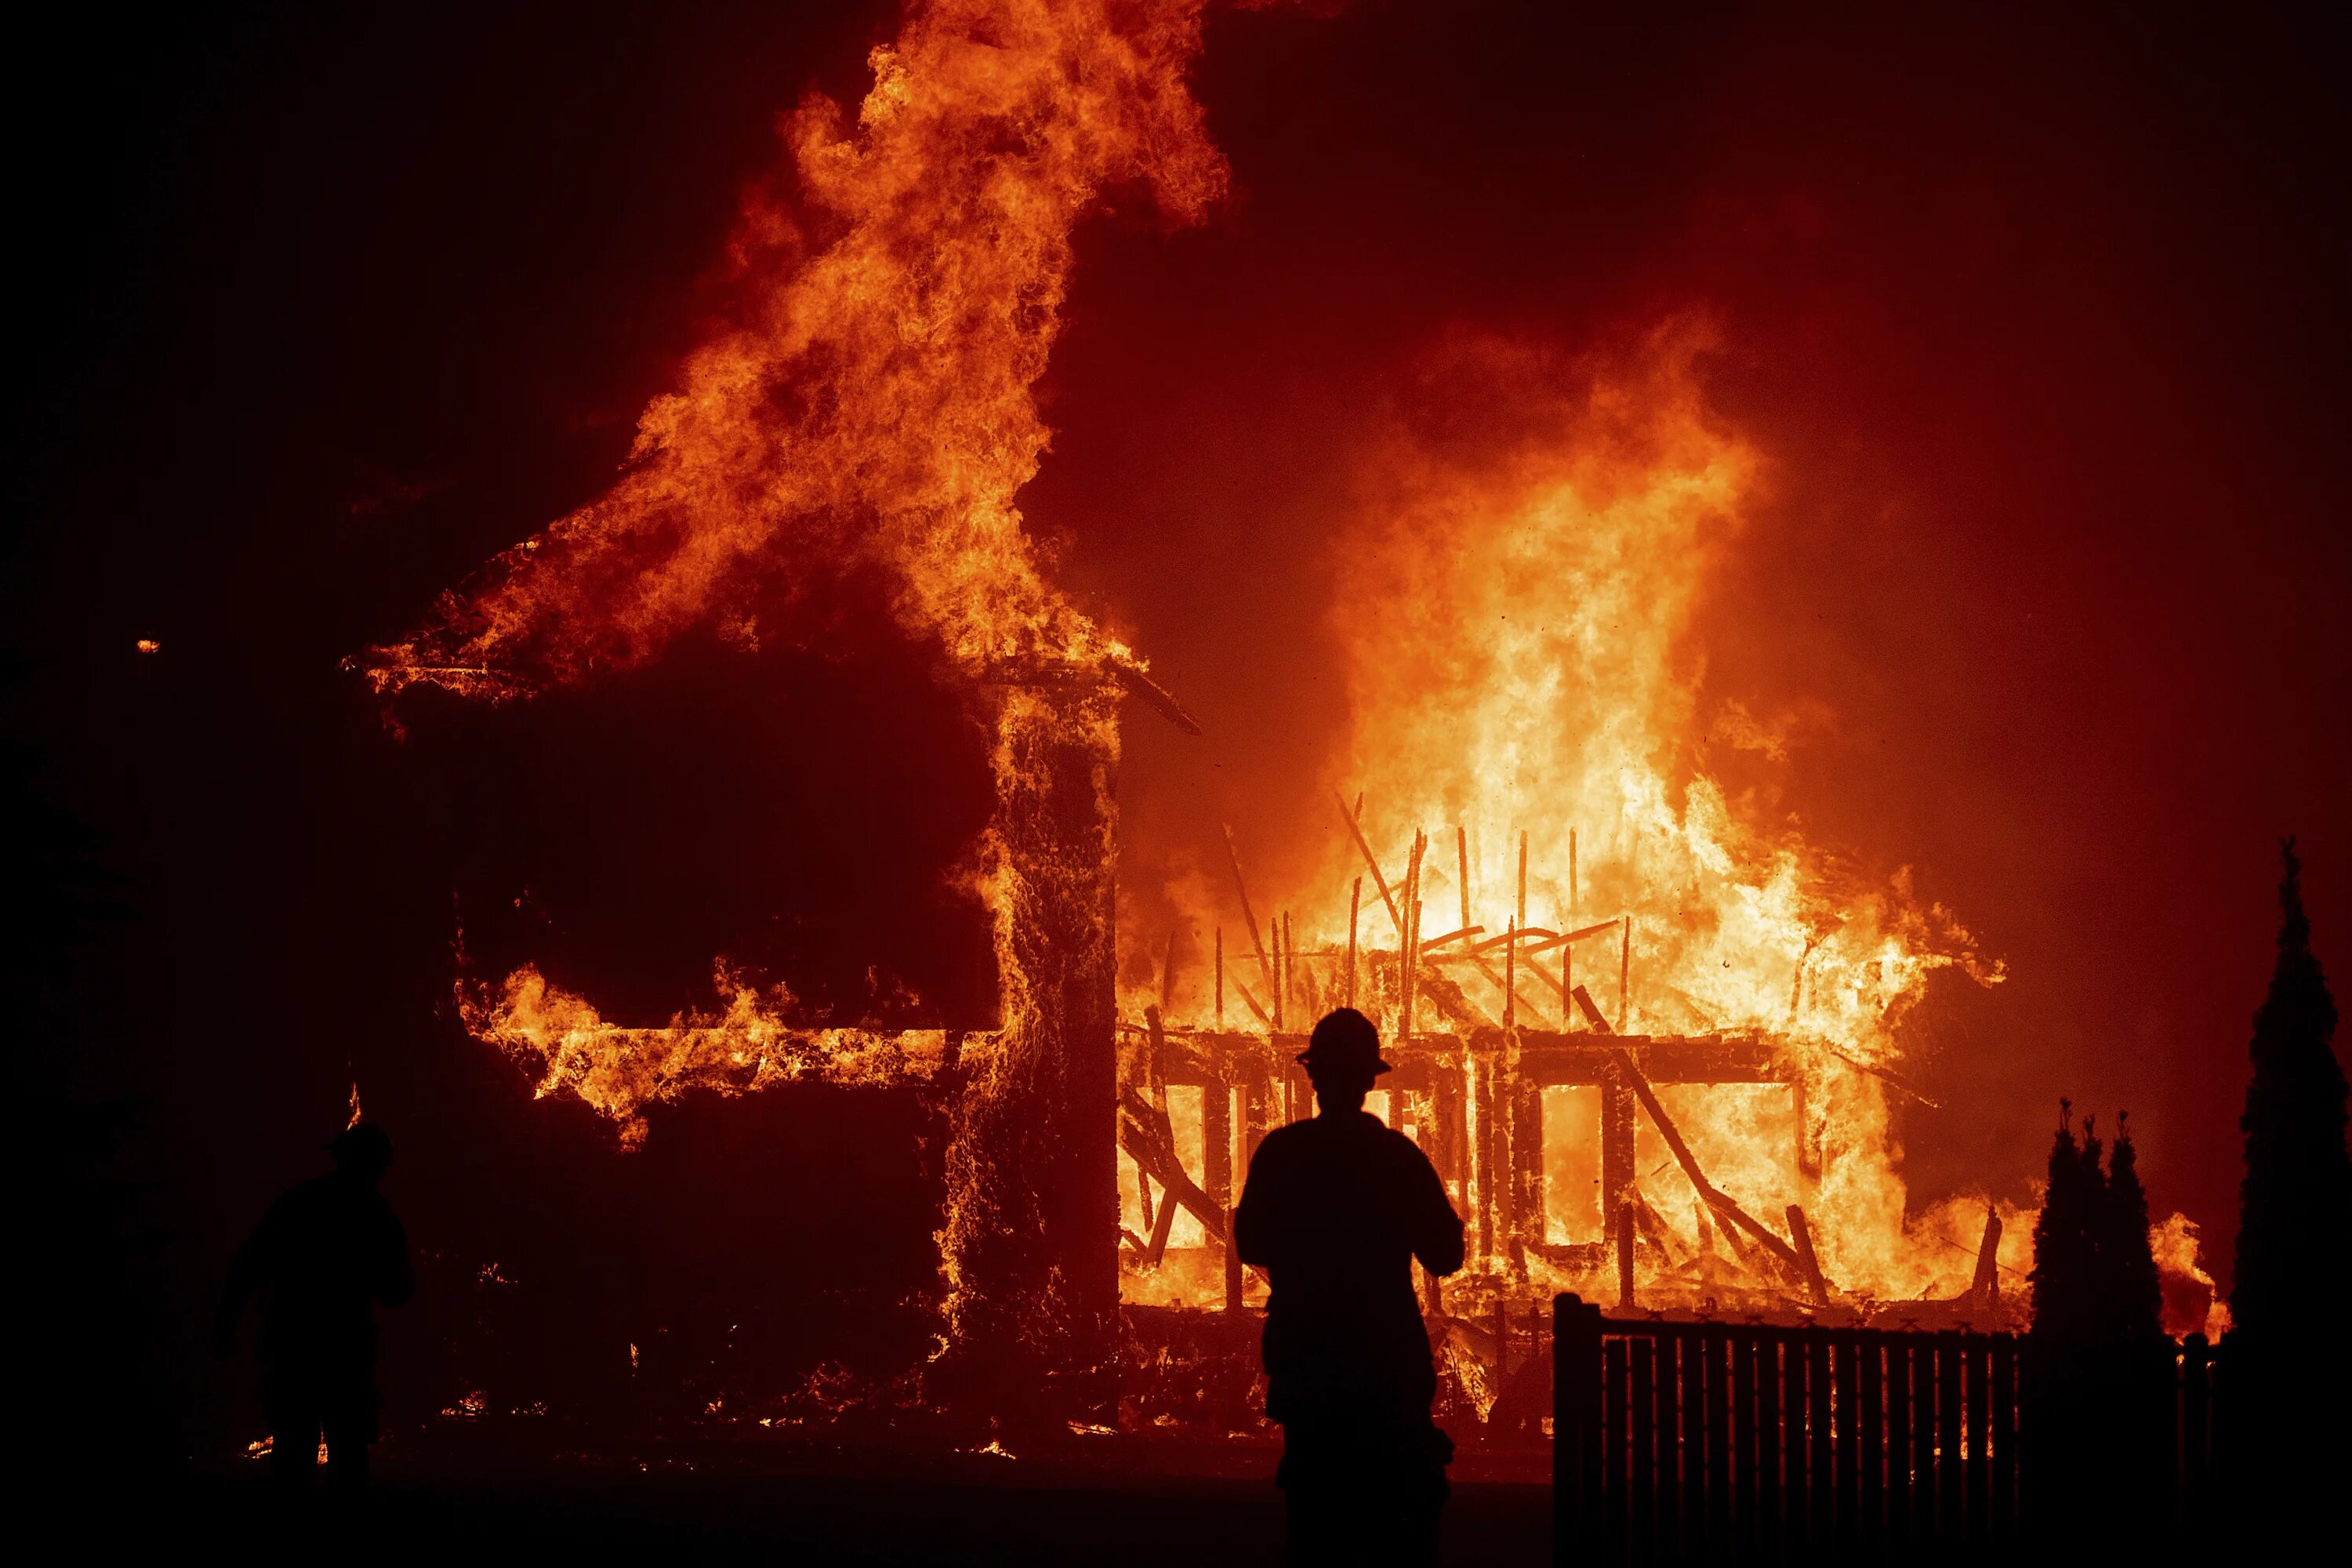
{"x":1518,"y":630}
{"x":617,"y":1071}
{"x":874,"y":405}
{"x":1520,"y":613}
{"x":2192,"y":1302}
{"x":872,"y":408}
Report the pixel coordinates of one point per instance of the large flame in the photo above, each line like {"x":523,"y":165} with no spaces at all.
{"x":875,"y":403}
{"x":873,"y":406}
{"x":1519,"y":610}
{"x":1519,"y":633}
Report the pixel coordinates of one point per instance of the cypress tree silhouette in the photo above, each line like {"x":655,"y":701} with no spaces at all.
{"x":2098,"y":1365}
{"x":2292,"y":1270}
{"x":2134,"y":1307}
{"x":2286,"y":1445}
{"x":2064,"y":1257}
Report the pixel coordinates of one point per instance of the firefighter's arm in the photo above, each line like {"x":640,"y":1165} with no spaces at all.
{"x":1256,"y":1224}
{"x":1436,"y":1228}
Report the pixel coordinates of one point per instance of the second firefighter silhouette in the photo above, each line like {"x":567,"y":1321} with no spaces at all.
{"x":1335,"y":1211}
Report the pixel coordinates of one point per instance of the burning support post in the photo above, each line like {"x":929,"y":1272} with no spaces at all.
{"x":1032,"y":1182}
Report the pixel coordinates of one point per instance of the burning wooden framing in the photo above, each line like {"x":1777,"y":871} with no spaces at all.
{"x":1474,"y":1102}
{"x":1475,"y":1060}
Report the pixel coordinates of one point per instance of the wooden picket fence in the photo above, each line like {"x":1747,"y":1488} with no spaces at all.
{"x":1749,"y":1442}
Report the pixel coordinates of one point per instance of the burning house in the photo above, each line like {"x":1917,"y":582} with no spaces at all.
{"x":1648,"y":1039}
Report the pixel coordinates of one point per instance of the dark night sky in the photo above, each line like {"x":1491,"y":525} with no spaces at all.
{"x":2040,"y":321}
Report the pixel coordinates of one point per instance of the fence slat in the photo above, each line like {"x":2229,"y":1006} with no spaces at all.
{"x":1926,"y":1387}
{"x":1845,"y":1354}
{"x":1899,"y":1532}
{"x":1980,"y":1439}
{"x":1747,"y":1437}
{"x":1951,"y":1521}
{"x":1714,"y":1346}
{"x":1771,"y":1475}
{"x":1822,"y":1499}
{"x":2004,"y":1434}
{"x":1870,"y":1445}
{"x":1796,"y":1521}
{"x":1643,"y":1390}
{"x":1617,"y":1442}
{"x":1694,"y":1448}
{"x":1670,"y":1449}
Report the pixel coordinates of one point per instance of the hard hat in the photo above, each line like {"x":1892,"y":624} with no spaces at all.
{"x":1344,"y":1041}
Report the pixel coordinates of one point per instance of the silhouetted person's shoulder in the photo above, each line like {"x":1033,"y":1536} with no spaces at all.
{"x":1346,"y":1133}
{"x":1320,"y":1180}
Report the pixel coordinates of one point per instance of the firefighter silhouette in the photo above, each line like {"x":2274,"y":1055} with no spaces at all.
{"x":1335,"y":1210}
{"x":319,"y":1260}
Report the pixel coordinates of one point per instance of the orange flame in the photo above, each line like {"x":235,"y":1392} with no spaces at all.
{"x":1519,"y":615}
{"x":617,"y":1070}
{"x":875,"y":404}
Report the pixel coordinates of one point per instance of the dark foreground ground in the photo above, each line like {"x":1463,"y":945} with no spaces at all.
{"x":970,"y":1508}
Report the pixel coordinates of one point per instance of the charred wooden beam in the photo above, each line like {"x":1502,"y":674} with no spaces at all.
{"x":1526,"y":939}
{"x":1619,"y":1185}
{"x":1984,"y":1290}
{"x":1143,"y":1145}
{"x":1885,"y":1075}
{"x":1161,"y":1227}
{"x":1249,"y":916}
{"x":1808,"y":1145}
{"x":1809,"y":1262}
{"x":1355,"y":899}
{"x":1461,"y":875}
{"x":1168,"y":974}
{"x":1553,"y":1058}
{"x":1624,"y":1229}
{"x":1510,"y":983}
{"x":1156,"y":696}
{"x":1379,"y":879}
{"x":1721,"y":1202}
{"x":1217,"y":1171}
{"x":1564,"y":939}
{"x":1409,"y":960}
{"x":1481,"y":1069}
{"x":1526,"y":1188}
